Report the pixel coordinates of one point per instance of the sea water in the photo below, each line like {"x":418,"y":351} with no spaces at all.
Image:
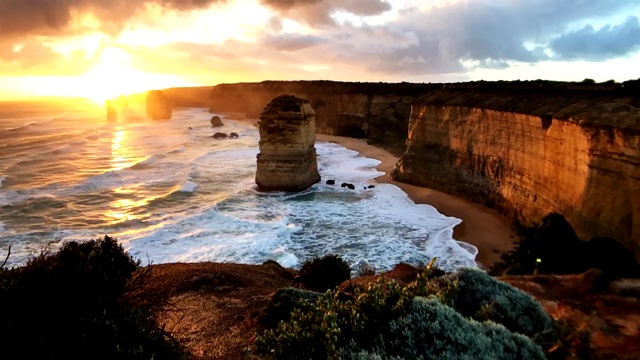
{"x":169,"y":192}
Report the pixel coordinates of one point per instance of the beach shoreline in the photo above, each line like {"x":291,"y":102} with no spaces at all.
{"x":481,"y":227}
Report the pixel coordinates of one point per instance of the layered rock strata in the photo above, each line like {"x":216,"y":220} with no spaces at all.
{"x":287,"y":159}
{"x":158,"y":107}
{"x":377,"y":111}
{"x":533,"y":153}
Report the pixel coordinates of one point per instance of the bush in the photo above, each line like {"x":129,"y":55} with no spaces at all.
{"x":386,"y":321}
{"x":322,"y":274}
{"x":285,"y":301}
{"x":433,"y":331}
{"x":552,"y":247}
{"x":482,"y":297}
{"x":72,"y":304}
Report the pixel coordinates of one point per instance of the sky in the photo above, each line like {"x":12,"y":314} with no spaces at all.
{"x":102,"y":48}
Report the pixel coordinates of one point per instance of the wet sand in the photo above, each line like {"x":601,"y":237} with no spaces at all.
{"x":484,"y":228}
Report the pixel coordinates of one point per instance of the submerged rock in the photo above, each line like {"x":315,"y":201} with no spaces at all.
{"x":219,"y":135}
{"x":287,"y":159}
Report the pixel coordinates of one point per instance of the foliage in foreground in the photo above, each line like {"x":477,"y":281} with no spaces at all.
{"x":323,"y":273}
{"x":552,"y":247}
{"x":460,"y":316}
{"x":74,"y":304}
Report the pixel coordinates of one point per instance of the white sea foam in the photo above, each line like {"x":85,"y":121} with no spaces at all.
{"x":188,"y":186}
{"x":224,"y":218}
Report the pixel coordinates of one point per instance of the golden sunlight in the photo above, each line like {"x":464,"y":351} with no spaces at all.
{"x":114,"y":76}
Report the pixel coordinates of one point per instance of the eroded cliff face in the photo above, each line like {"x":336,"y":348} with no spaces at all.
{"x":287,"y":159}
{"x":577,"y":156}
{"x":377,"y":111}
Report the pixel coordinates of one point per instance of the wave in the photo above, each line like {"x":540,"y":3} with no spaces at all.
{"x":145,"y":164}
{"x":21,"y":127}
{"x":188,"y":186}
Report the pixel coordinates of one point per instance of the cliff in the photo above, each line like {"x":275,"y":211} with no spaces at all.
{"x":529,"y":152}
{"x":377,"y":111}
{"x":188,"y":96}
{"x":287,"y":159}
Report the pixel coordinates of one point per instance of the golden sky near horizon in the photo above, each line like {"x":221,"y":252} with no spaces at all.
{"x":102,"y":48}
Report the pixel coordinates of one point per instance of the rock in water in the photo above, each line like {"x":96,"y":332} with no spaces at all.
{"x":287,"y":159}
{"x":216,"y":121}
{"x":112,"y":113}
{"x":219,"y":135}
{"x":158,"y":107}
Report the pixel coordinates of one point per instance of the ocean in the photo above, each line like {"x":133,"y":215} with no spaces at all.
{"x":169,"y":192}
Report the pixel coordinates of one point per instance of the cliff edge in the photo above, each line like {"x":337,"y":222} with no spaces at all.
{"x":529,"y":152}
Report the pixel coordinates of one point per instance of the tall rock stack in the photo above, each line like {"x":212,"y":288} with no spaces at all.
{"x":158,"y":107}
{"x":287,"y":159}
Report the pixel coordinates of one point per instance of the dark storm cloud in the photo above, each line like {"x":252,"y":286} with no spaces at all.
{"x":609,"y":41}
{"x":52,"y":17}
{"x":319,"y":11}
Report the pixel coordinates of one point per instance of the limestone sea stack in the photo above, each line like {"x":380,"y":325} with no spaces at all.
{"x":287,"y":159}
{"x":158,"y":107}
{"x":111,"y":109}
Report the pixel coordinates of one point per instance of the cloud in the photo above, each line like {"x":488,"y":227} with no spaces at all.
{"x":607,"y":42}
{"x":291,"y":42}
{"x":451,"y":37}
{"x":318,"y":12}
{"x":53,"y":17}
{"x":487,"y":33}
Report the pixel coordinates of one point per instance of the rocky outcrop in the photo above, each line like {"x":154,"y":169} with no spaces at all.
{"x":112,"y":113}
{"x":287,"y":159}
{"x":377,"y":111}
{"x":216,"y":121}
{"x":533,"y":152}
{"x":158,"y":107}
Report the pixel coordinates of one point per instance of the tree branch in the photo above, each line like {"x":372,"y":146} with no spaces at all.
{"x":7,"y":258}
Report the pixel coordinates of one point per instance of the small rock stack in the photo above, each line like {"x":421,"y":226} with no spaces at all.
{"x":287,"y":159}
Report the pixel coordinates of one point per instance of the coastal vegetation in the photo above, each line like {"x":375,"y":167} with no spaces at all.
{"x":85,"y":301}
{"x":104,"y":301}
{"x":466,"y":314}
{"x":552,"y":247}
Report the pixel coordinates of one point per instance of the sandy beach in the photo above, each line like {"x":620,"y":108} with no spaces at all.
{"x":484,"y":228}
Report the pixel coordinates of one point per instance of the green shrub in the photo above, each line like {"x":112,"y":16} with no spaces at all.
{"x":386,"y":321}
{"x":287,"y":299}
{"x":482,"y":297}
{"x":322,"y":274}
{"x":72,"y":304}
{"x":432,"y":330}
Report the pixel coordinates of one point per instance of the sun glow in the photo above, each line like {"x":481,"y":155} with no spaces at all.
{"x":114,"y":76}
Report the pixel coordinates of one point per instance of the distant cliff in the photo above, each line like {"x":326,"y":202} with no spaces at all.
{"x":527,"y":148}
{"x":378,"y":111}
{"x":529,"y":152}
{"x":188,"y":96}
